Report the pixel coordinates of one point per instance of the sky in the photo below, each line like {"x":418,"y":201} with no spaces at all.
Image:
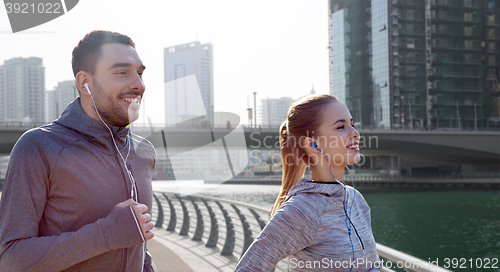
{"x":276,"y":48}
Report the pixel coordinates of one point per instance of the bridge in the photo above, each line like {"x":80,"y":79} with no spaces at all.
{"x":477,"y":148}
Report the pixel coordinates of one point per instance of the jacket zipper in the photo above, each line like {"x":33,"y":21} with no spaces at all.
{"x":117,"y":160}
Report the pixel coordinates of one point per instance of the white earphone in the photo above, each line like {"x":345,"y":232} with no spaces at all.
{"x":87,"y":87}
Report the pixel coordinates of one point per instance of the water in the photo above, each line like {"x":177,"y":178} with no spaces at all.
{"x":427,"y":223}
{"x":437,"y":224}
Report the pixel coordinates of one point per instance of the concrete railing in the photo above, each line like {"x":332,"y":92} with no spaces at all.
{"x":231,"y":226}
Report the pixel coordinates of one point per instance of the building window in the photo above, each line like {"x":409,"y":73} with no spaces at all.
{"x":468,"y":3}
{"x":468,"y":31}
{"x":468,"y":57}
{"x":491,"y":5}
{"x":491,"y":74}
{"x":490,"y":19}
{"x":468,"y":44}
{"x":491,"y":47}
{"x":492,"y":60}
{"x":468,"y":17}
{"x":491,"y":33}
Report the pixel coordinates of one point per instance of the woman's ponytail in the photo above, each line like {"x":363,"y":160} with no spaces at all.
{"x":304,"y":117}
{"x":293,"y":170}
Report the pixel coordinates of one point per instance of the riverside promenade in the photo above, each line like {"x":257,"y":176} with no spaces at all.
{"x":174,"y":253}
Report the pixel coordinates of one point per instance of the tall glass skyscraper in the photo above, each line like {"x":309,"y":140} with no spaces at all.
{"x":428,"y":64}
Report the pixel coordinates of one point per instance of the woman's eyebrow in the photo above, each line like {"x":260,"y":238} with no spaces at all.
{"x":340,"y":120}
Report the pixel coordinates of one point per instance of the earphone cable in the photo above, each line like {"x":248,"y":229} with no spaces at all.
{"x":131,"y":178}
{"x":346,"y":195}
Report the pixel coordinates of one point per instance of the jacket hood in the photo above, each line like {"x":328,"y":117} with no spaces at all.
{"x":75,"y":118}
{"x":306,"y":185}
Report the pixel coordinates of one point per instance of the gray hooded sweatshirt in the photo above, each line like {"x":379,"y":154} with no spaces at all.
{"x":310,"y":229}
{"x":62,"y":184}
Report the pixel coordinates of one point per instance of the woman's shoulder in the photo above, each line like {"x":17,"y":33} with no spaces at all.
{"x":311,"y":198}
{"x":307,"y":202}
{"x":301,"y":211}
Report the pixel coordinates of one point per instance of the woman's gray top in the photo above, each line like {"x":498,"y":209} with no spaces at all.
{"x":310,"y":229}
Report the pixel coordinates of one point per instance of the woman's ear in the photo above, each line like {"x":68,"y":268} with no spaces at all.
{"x":311,"y":146}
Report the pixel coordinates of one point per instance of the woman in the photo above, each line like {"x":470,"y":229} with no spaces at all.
{"x":319,"y":223}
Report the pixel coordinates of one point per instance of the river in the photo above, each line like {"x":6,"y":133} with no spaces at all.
{"x":458,"y":228}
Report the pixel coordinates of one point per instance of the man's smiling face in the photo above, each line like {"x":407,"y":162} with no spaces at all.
{"x":117,"y":85}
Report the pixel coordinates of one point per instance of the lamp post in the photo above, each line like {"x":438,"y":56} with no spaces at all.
{"x":250,"y":117}
{"x":211,"y":116}
{"x":255,"y":108}
{"x":403,"y":111}
{"x":475,"y":116}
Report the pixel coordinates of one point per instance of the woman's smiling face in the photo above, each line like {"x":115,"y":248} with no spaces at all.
{"x":339,"y":140}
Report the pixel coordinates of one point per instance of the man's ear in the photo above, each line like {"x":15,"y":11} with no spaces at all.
{"x":80,"y":79}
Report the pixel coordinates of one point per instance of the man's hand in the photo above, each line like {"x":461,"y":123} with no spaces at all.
{"x":143,"y":217}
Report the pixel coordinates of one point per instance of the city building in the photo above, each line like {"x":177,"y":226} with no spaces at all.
{"x":273,"y":111}
{"x":201,"y":164}
{"x":182,"y":62}
{"x":417,"y":64}
{"x":4,"y":162}
{"x":59,"y":98}
{"x":22,"y":90}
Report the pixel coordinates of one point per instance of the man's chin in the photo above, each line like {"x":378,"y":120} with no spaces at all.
{"x":133,"y":114}
{"x":123,"y":122}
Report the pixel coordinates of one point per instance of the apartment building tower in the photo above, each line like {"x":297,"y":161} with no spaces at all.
{"x":428,"y":64}
{"x":22,"y":90}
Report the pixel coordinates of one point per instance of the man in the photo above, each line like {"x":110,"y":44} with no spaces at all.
{"x":72,"y":189}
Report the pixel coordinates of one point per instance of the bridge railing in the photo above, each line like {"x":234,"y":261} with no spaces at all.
{"x":21,"y":124}
{"x":228,"y":225}
{"x":478,"y":175}
{"x":361,"y":177}
{"x":158,"y":126}
{"x":231,"y":226}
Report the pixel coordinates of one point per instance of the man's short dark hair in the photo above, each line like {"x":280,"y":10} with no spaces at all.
{"x":87,"y":52}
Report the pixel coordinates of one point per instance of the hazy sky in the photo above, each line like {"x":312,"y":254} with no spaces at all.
{"x":275,"y":47}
